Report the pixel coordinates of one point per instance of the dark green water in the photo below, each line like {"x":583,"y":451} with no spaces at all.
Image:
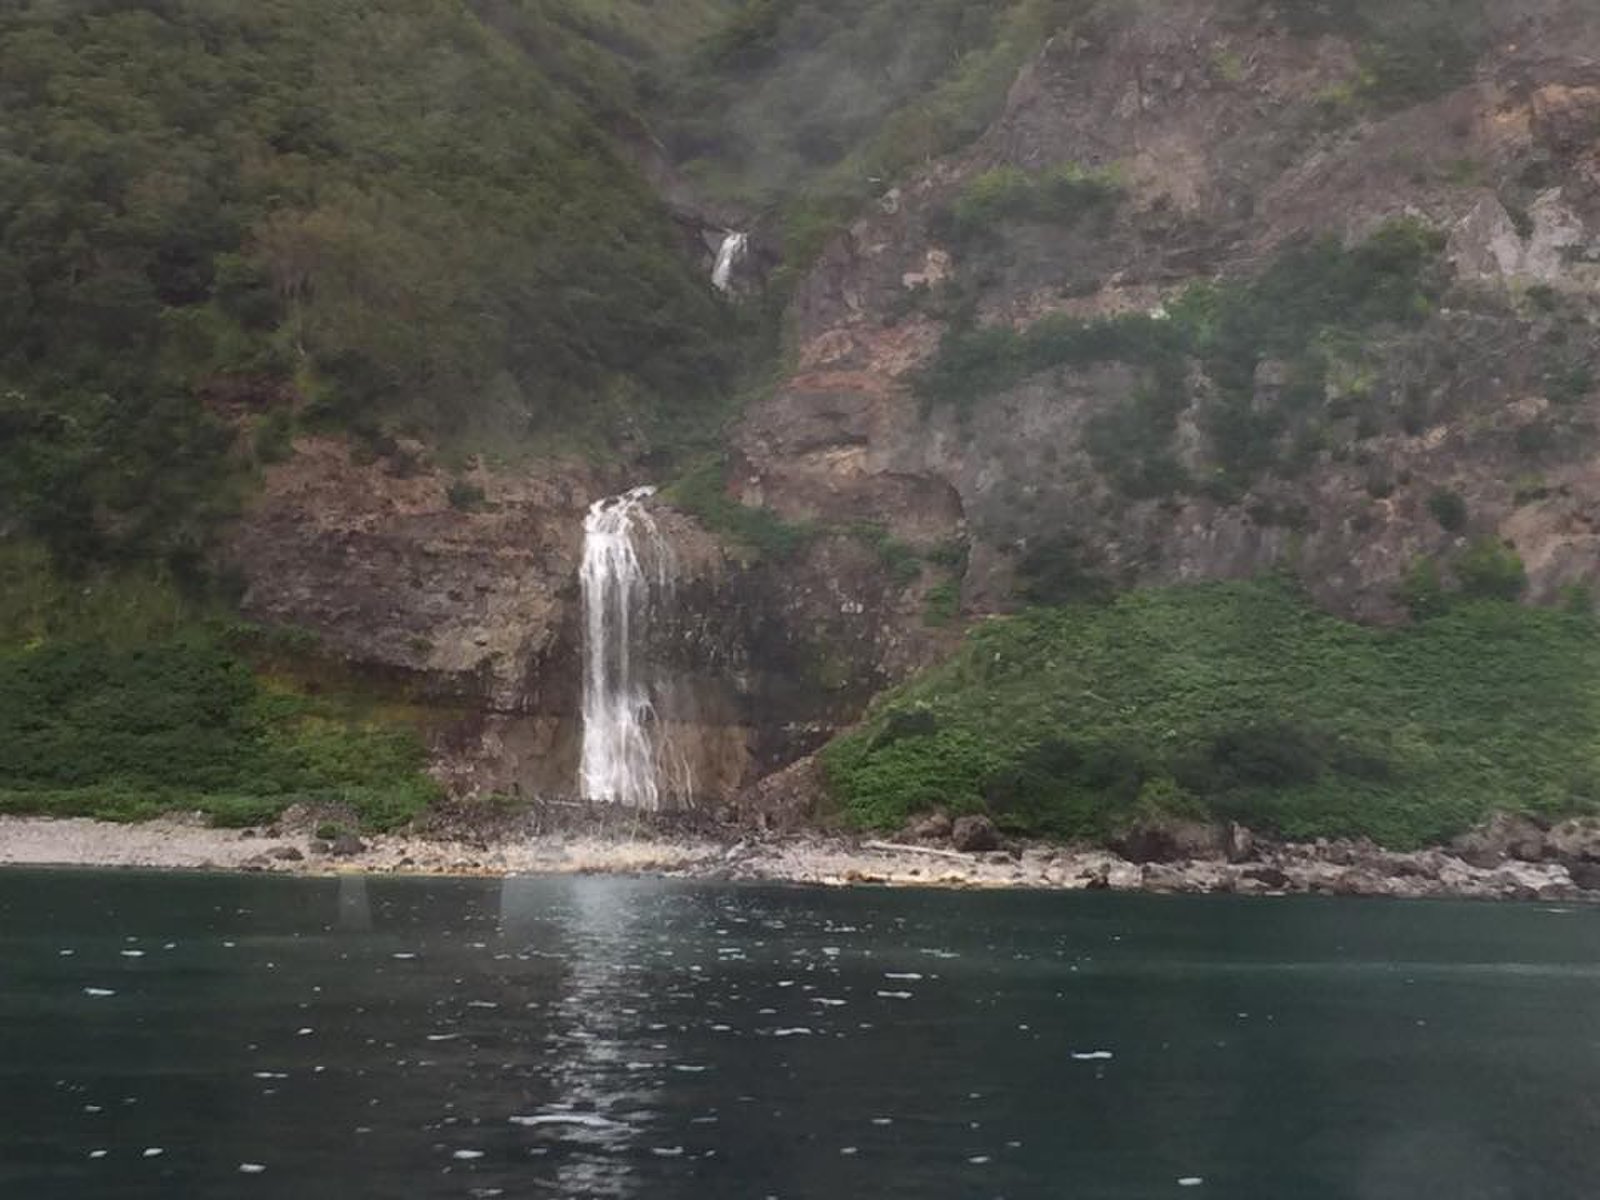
{"x":597,"y":1037}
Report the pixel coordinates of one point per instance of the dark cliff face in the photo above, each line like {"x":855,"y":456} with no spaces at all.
{"x":473,"y":612}
{"x":1142,"y":155}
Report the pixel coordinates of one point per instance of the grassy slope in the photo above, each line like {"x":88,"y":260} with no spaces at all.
{"x":118,"y":700}
{"x":393,"y":210}
{"x":1239,"y":700}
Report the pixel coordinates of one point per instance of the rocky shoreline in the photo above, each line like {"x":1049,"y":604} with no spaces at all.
{"x":1511,"y":858}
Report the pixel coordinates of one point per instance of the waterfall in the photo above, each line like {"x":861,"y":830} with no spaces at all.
{"x":627,"y":573}
{"x":728,"y":254}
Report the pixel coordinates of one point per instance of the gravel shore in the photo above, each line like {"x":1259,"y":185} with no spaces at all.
{"x":1338,"y":868}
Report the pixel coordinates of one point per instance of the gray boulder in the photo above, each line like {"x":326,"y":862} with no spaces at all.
{"x":974,"y":834}
{"x":1171,"y":840}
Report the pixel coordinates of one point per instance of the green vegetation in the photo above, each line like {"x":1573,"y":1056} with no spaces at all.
{"x":464,"y":495}
{"x":1491,"y":570}
{"x":1449,"y":509}
{"x":1409,"y":50}
{"x":1485,"y":570}
{"x":901,"y":561}
{"x":703,"y":493}
{"x":401,"y":214}
{"x":1240,"y":701}
{"x":1062,"y":195}
{"x":1307,"y":308}
{"x":121,"y":734}
{"x":121,"y":698}
{"x":1061,"y":570}
{"x":942,"y":606}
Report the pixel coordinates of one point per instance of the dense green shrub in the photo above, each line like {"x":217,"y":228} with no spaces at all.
{"x":943,"y":603}
{"x":703,"y":493}
{"x":1449,"y":509}
{"x":88,"y":728}
{"x":1064,"y":195}
{"x":1243,"y":702}
{"x":1490,"y":570}
{"x":1061,"y":569}
{"x":1422,"y":590}
{"x":465,"y":495}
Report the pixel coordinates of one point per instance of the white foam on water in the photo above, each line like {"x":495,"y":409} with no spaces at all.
{"x":131,"y":953}
{"x":588,"y":1120}
{"x":1190,"y":1181}
{"x":1090,"y":1055}
{"x":667,"y":1151}
{"x":252,"y":1168}
{"x":97,"y":992}
{"x":97,"y":1154}
{"x":978,"y":1160}
{"x":901,"y":975}
{"x":793,"y":1031}
{"x":848,"y":1150}
{"x":153,"y":1152}
{"x":467,"y":1155}
{"x":895,"y":995}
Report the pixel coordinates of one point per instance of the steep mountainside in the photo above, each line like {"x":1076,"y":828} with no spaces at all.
{"x":1076,"y":298}
{"x":1120,"y":339}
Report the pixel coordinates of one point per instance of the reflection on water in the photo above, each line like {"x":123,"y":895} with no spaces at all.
{"x":602,"y":1099}
{"x":222,"y":1036}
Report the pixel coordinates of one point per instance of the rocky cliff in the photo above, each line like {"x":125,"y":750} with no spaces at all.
{"x":1154,"y":165}
{"x":1227,"y":142}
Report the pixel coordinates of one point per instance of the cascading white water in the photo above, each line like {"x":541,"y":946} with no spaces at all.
{"x":627,"y":568}
{"x":728,"y":255}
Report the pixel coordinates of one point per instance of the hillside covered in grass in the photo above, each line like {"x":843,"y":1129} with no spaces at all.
{"x":119,"y":701}
{"x":1239,"y":701}
{"x":384,"y":218}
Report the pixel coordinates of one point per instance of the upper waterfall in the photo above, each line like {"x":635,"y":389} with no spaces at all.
{"x":627,"y":573}
{"x":729,"y":253}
